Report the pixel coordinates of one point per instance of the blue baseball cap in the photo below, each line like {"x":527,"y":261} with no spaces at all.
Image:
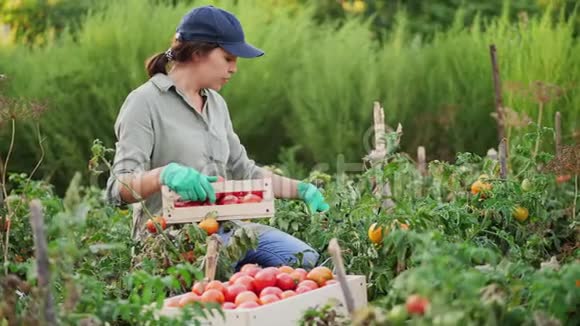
{"x":215,"y":25}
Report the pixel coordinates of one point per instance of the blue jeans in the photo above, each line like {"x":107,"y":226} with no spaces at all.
{"x":275,"y":248}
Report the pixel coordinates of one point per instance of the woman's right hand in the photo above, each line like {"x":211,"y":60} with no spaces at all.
{"x":188,"y":183}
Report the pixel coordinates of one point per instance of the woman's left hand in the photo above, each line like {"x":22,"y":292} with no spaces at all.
{"x":312,"y":197}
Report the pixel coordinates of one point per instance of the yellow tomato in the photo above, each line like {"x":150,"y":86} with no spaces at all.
{"x":520,"y":213}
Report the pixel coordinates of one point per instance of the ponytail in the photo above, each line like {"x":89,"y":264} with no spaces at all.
{"x":178,"y":52}
{"x":156,"y":64}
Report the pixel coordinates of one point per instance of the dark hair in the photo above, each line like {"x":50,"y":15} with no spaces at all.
{"x":180,"y":51}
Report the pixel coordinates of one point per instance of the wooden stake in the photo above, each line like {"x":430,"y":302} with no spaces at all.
{"x":379,"y":119}
{"x":378,"y":154}
{"x":335,"y":253}
{"x":558,"y":120}
{"x":498,"y":93}
{"x":37,"y":223}
{"x":421,"y":160}
{"x":211,"y":257}
{"x":503,"y":159}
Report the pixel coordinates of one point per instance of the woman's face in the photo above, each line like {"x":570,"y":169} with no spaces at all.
{"x":216,"y":69}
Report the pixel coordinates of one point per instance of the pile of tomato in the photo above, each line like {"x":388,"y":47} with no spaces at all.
{"x":227,"y":198}
{"x":254,"y":286}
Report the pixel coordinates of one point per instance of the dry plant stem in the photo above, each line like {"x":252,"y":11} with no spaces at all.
{"x":11,"y":211}
{"x":334,"y":251}
{"x":503,"y":159}
{"x":541,"y":111}
{"x":41,"y":153}
{"x":9,"y":215}
{"x":575,"y":197}
{"x":558,"y":133}
{"x":10,"y":148}
{"x":498,"y":95}
{"x":37,"y":223}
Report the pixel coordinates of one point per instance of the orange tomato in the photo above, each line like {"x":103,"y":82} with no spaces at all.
{"x":216,"y":285}
{"x":209,"y":225}
{"x":189,"y":297}
{"x":246,"y":296}
{"x":286,"y":269}
{"x":198,"y":288}
{"x":213,"y":295}
{"x":480,"y":186}
{"x":320,"y":275}
{"x":375,"y":233}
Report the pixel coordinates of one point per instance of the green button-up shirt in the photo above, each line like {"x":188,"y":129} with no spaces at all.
{"x":157,"y":125}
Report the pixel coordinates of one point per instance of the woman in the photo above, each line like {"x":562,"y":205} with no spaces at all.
{"x":175,"y":130}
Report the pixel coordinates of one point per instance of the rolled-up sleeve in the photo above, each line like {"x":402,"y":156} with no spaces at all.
{"x":134,"y":146}
{"x":240,"y":166}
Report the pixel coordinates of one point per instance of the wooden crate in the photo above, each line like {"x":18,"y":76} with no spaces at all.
{"x":177,"y":211}
{"x":289,"y":311}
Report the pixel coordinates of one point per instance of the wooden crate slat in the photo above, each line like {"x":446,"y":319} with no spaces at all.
{"x":186,"y":214}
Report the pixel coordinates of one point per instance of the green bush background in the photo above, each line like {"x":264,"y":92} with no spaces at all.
{"x":314,"y":88}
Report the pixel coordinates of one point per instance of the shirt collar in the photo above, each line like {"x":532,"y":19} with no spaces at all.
{"x":164,"y":83}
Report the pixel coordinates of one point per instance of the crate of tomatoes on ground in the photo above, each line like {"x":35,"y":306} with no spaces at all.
{"x":235,"y":199}
{"x":268,"y":296}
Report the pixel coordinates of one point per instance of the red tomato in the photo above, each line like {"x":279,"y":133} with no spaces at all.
{"x":159,"y":220}
{"x":287,"y":294}
{"x":228,"y":305}
{"x":308,"y":283}
{"x":250,"y":269}
{"x":248,"y":305}
{"x":229,"y":200}
{"x":246,"y":281}
{"x":274,"y":270}
{"x":235,"y":276}
{"x":299,"y":275}
{"x":246,"y":296}
{"x":269,"y":298}
{"x":329,"y":282}
{"x":271,"y":290}
{"x":416,"y":304}
{"x":303,"y":289}
{"x":213,"y":295}
{"x":251,"y":198}
{"x":285,"y":282}
{"x":232,"y":291}
{"x":264,"y":279}
{"x":173,"y":301}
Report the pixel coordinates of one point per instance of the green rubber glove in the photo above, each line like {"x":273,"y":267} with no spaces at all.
{"x":312,"y":197}
{"x":188,"y":183}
